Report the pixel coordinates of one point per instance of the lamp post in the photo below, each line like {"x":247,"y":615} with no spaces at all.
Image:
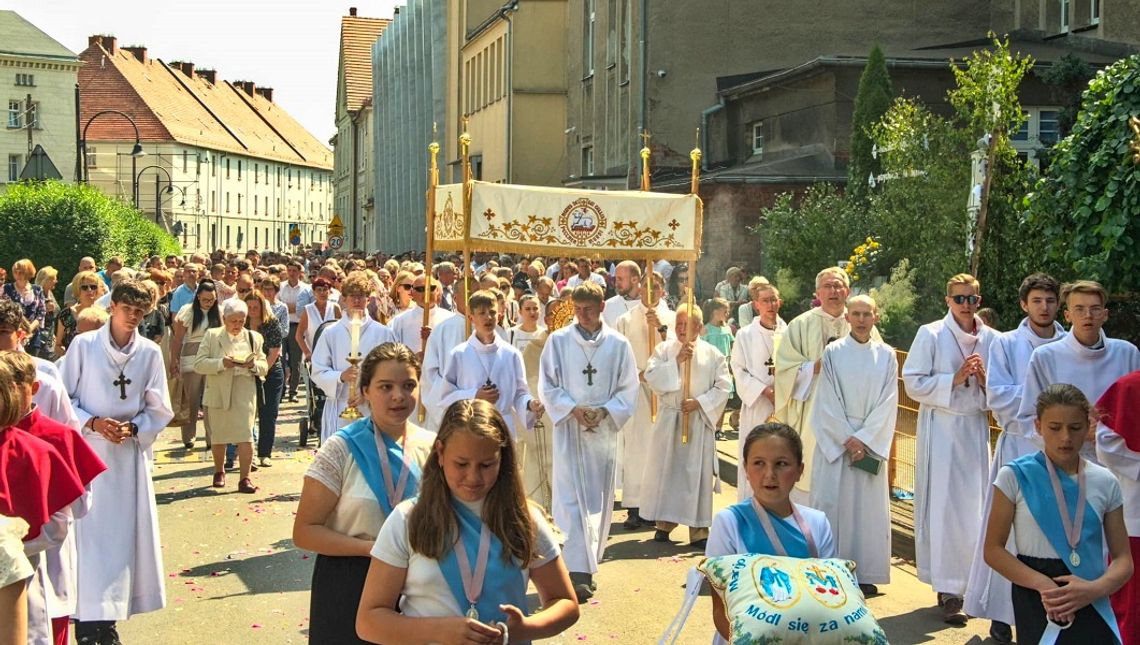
{"x":136,"y":152}
{"x":157,"y":191}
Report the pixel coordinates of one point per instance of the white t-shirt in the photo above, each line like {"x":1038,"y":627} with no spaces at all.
{"x":1102,"y":491}
{"x":425,"y":593}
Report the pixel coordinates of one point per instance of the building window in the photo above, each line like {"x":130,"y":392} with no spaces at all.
{"x":239,"y":196}
{"x":90,"y":157}
{"x":587,"y":161}
{"x":1040,"y":130}
{"x":213,"y":166}
{"x":758,"y":138}
{"x":256,"y":174}
{"x":588,"y":23}
{"x":227,"y":201}
{"x":1065,"y":15}
{"x":14,"y":114}
{"x":185,"y":160}
{"x":239,"y":170}
{"x":14,"y":163}
{"x":1094,"y":12}
{"x":254,"y":200}
{"x":1048,"y":128}
{"x":26,"y":80}
{"x":266,"y":200}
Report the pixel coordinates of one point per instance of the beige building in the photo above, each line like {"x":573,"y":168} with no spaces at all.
{"x":224,"y":166}
{"x":510,"y":83}
{"x":38,"y":76}
{"x":354,"y":177}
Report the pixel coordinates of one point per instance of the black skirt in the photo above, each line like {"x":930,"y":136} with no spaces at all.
{"x":337,"y":585}
{"x":1029,"y":613}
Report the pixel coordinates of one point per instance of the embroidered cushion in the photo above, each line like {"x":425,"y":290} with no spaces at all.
{"x":773,"y":599}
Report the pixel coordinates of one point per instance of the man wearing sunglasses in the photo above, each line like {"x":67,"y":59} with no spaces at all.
{"x":945,"y":372}
{"x":409,"y":325}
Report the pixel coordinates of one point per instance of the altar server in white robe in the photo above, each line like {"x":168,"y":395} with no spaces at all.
{"x":445,"y":337}
{"x":409,"y":325}
{"x":754,"y":369}
{"x":854,"y":419}
{"x":1085,"y":358}
{"x":678,"y":487}
{"x":117,"y":383}
{"x":535,"y":448}
{"x":487,"y":367}
{"x":627,"y":284}
{"x":645,"y":325}
{"x":988,"y":594}
{"x":798,"y":362}
{"x":945,"y":372}
{"x":51,"y":398}
{"x":588,"y":383}
{"x":330,"y":368}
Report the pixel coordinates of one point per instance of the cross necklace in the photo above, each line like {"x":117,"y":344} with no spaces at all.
{"x":486,"y":370}
{"x":589,"y":371}
{"x":771,"y":349}
{"x":122,"y":382}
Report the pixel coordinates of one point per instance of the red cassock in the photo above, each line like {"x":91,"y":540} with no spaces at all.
{"x":35,"y":480}
{"x":1120,"y":412}
{"x":70,"y":444}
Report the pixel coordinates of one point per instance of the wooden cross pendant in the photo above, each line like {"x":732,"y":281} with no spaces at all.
{"x":589,"y":372}
{"x":122,"y":382}
{"x":771,"y":367}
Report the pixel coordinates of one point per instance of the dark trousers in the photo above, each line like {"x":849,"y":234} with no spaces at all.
{"x":96,"y":632}
{"x":293,"y":356}
{"x":337,"y":585}
{"x":268,"y":404}
{"x":1029,"y":613}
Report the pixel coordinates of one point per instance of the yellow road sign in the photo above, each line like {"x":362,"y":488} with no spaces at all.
{"x":336,"y":227}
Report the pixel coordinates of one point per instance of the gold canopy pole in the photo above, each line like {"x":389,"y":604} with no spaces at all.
{"x":465,"y":157}
{"x":433,"y":182}
{"x":694,"y":189}
{"x":650,"y":332}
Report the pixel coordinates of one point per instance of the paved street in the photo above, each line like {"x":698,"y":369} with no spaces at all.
{"x":233,"y":575}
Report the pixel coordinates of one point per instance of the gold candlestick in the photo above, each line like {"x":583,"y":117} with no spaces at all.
{"x":350,"y":413}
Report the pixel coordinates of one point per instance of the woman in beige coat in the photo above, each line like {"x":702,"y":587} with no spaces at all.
{"x":232,"y":359}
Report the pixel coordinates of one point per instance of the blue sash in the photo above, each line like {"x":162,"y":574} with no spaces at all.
{"x":756,"y":540}
{"x":361,"y":439}
{"x":504,"y":583}
{"x":1033,"y":478}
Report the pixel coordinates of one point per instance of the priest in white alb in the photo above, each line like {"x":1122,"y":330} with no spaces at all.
{"x":645,"y":325}
{"x":588,"y":383}
{"x":445,"y":337}
{"x":117,"y":383}
{"x":678,"y":488}
{"x":627,"y":284}
{"x":945,"y":372}
{"x":534,"y":446}
{"x":988,"y":594}
{"x":854,"y":416}
{"x":754,"y":369}
{"x":353,"y":335}
{"x":1085,"y":358}
{"x":409,"y":325}
{"x":798,"y":362}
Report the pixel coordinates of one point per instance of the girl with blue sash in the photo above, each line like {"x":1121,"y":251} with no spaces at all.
{"x":768,"y":522}
{"x":1064,"y":511}
{"x":452,"y":566}
{"x":360,"y":474}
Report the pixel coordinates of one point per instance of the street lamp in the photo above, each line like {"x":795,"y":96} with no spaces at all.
{"x":136,"y":152}
{"x":157,"y":191}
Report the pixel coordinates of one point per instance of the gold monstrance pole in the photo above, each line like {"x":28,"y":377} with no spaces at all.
{"x":650,"y":332}
{"x":429,"y":255}
{"x":695,"y":156}
{"x":465,"y":157}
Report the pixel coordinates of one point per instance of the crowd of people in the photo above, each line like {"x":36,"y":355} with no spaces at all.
{"x":468,"y":416}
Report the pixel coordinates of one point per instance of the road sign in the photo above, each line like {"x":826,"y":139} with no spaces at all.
{"x":295,"y":235}
{"x":336,"y":241}
{"x":336,"y":227}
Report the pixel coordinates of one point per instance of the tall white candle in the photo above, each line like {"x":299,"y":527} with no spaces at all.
{"x":354,"y":336}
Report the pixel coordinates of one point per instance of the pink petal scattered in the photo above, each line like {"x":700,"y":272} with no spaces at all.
{"x":305,"y":556}
{"x":580,"y":637}
{"x":595,"y":601}
{"x":255,"y":626}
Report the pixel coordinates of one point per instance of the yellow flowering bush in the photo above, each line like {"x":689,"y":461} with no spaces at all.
{"x":863,"y":259}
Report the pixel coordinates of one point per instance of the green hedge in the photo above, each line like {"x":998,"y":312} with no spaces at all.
{"x":56,"y":224}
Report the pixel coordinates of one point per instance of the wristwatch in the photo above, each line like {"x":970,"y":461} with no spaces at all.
{"x":134,"y":429}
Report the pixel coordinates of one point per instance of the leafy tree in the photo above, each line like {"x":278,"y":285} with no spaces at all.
{"x":872,"y":101}
{"x":1088,"y":199}
{"x":1067,"y":80}
{"x":56,"y":224}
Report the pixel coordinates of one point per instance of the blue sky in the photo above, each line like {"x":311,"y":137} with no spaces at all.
{"x":289,"y":45}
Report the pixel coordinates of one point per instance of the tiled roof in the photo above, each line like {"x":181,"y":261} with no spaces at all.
{"x":357,"y":34}
{"x":22,"y":38}
{"x":168,"y":105}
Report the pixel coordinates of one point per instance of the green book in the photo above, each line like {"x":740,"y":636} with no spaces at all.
{"x":869,"y":463}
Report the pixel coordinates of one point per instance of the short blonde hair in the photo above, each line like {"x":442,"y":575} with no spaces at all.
{"x":692,"y":312}
{"x":84,"y":277}
{"x":45,"y":274}
{"x":834,"y":272}
{"x":966,"y":279}
{"x":759,"y":284}
{"x":24,"y":267}
{"x":588,"y":291}
{"x":93,"y":317}
{"x":1083,"y":286}
{"x":483,"y":299}
{"x":864,"y":299}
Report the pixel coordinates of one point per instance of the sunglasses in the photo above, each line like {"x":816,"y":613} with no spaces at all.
{"x":88,"y":287}
{"x":408,"y":286}
{"x":960,"y":300}
{"x":421,"y":289}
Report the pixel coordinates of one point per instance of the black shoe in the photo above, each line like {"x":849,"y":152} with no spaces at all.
{"x":111,"y":636}
{"x":869,"y":590}
{"x":583,"y":593}
{"x":633,"y":521}
{"x":188,"y":445}
{"x":662,"y":536}
{"x":699,"y":544}
{"x":1001,"y":632}
{"x":720,"y":436}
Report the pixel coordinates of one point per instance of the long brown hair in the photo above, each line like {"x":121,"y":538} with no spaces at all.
{"x":12,"y":401}
{"x":432,"y":526}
